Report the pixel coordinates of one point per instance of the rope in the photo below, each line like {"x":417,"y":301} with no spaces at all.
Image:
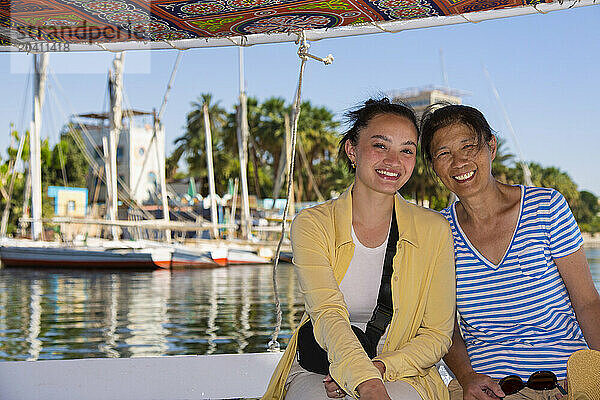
{"x":53,"y":124}
{"x":304,"y":56}
{"x":83,"y":148}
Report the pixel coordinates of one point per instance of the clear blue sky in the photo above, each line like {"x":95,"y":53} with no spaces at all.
{"x":546,"y":68}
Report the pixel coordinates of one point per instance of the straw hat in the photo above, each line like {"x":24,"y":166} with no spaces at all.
{"x":583,"y":375}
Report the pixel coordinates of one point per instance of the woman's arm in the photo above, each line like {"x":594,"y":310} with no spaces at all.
{"x":475,"y":386}
{"x":433,"y":337}
{"x":324,"y":302}
{"x":585,"y":299}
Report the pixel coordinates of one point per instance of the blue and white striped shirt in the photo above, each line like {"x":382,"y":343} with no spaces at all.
{"x":516,"y":317}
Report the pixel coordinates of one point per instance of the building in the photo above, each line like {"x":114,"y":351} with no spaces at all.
{"x":420,"y":98}
{"x":138,"y":155}
{"x":69,"y":201}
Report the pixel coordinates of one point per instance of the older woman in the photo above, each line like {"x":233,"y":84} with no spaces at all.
{"x":524,"y":290}
{"x":339,"y":250}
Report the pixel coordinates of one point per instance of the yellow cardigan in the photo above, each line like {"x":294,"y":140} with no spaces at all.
{"x":423,"y":295}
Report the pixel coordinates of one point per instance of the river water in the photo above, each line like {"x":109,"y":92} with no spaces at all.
{"x":66,"y":314}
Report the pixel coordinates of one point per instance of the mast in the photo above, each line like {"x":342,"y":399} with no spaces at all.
{"x":526,"y":172}
{"x":211,"y":173}
{"x":26,"y":196}
{"x":40,"y":64}
{"x":242,"y":137}
{"x":106,"y":155}
{"x":162,"y":160}
{"x":115,"y":116}
{"x":5,"y":214}
{"x":162,"y":175}
{"x":158,"y":140}
{"x":443,"y":67}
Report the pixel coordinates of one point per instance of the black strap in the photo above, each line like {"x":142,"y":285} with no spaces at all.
{"x":382,"y":314}
{"x":313,"y":358}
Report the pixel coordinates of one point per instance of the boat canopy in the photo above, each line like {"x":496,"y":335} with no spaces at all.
{"x":116,"y":25}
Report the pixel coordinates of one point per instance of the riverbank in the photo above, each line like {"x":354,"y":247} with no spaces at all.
{"x":591,"y":240}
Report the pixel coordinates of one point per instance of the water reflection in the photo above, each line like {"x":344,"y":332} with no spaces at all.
{"x":73,"y":314}
{"x":35,"y":344}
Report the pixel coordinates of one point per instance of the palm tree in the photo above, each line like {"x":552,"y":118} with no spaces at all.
{"x":191,"y":144}
{"x":318,"y":138}
{"x":503,"y":163}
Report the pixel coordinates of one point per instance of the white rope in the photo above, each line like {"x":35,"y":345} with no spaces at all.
{"x":304,"y":56}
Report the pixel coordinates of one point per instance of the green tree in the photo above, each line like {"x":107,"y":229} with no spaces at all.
{"x":318,"y":135}
{"x":191,"y":145}
{"x":266,"y":124}
{"x":7,"y":169}
{"x":424,"y":185}
{"x":588,"y":208}
{"x":503,"y":164}
{"x":68,"y":165}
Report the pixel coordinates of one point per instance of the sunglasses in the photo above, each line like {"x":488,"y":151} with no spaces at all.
{"x":540,"y":380}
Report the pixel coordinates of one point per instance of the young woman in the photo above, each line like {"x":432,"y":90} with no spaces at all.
{"x":339,"y":249}
{"x":524,"y":290}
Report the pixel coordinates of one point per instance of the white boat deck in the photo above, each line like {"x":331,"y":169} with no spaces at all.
{"x":226,"y":376}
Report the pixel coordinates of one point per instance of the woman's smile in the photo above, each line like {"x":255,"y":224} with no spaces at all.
{"x":466,"y":177}
{"x":388,"y":174}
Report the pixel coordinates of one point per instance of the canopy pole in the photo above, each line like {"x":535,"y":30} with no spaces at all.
{"x":304,"y":56}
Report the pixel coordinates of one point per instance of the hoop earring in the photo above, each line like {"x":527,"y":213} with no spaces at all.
{"x":353,"y":164}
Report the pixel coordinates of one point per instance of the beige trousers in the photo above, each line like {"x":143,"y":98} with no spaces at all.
{"x":456,"y":393}
{"x":304,"y":385}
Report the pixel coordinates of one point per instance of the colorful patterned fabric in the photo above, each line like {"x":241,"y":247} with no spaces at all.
{"x":516,"y":317}
{"x":105,"y":21}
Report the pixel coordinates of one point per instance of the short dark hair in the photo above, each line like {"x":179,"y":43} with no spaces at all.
{"x":441,"y":115}
{"x":360,"y":116}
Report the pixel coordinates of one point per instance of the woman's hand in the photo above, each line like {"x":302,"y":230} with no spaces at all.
{"x":332,"y":389}
{"x":373,"y":389}
{"x":480,"y":387}
{"x":380,"y":366}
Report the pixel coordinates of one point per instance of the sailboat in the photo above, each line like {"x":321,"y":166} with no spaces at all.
{"x":37,"y":253}
{"x":115,"y":253}
{"x":92,"y":253}
{"x":239,"y":375}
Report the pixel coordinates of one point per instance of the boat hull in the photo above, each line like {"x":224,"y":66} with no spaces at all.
{"x":181,"y":258}
{"x":64,"y":257}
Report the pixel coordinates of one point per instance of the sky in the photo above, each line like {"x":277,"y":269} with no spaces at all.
{"x":546,"y":69}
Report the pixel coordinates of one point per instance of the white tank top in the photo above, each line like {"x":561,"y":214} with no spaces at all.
{"x":360,"y":285}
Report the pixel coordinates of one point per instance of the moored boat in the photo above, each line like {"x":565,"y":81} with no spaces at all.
{"x":26,"y":253}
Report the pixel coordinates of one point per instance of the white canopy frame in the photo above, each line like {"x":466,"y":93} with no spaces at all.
{"x":314,"y":34}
